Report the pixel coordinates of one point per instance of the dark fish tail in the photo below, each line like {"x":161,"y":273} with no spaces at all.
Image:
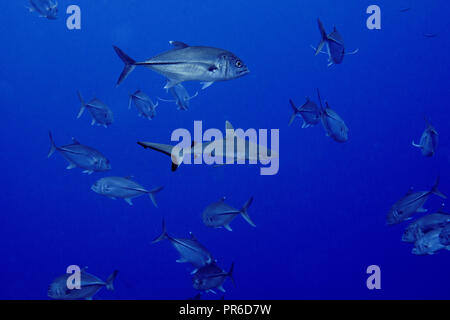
{"x":83,"y":105}
{"x":52,"y":145}
{"x":294,"y":108}
{"x":323,"y":35}
{"x":110,"y":280}
{"x":436,"y":191}
{"x":230,"y":274}
{"x":163,"y":235}
{"x":130,"y":64}
{"x":151,"y":194}
{"x":245,"y":214}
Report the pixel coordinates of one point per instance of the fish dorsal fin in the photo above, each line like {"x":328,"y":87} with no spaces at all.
{"x":178,"y":44}
{"x":75,"y":141}
{"x":129,"y":177}
{"x":192,"y":236}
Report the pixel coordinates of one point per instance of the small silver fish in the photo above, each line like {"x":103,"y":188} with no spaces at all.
{"x":411,"y":203}
{"x":334,"y":45}
{"x":90,"y":285}
{"x":333,"y":124}
{"x":190,"y":250}
{"x":428,"y":141}
{"x":145,"y":106}
{"x":45,"y":8}
{"x":123,"y":187}
{"x":182,"y":98}
{"x":189,"y":63}
{"x":81,"y":156}
{"x":100,"y":112}
{"x":425,"y":224}
{"x":211,"y":277}
{"x":429,"y":243}
{"x":219,"y":214}
{"x":309,"y":111}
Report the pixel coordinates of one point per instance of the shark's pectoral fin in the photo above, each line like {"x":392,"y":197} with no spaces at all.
{"x":128,"y":200}
{"x":171,"y":83}
{"x":206,"y":84}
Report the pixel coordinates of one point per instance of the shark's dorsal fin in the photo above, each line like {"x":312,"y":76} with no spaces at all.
{"x":75,"y":141}
{"x":228,"y":125}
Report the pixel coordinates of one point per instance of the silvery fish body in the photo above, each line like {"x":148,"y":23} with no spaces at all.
{"x":429,"y":243}
{"x":89,"y":286}
{"x":424,"y":225}
{"x":122,"y":187}
{"x":190,"y":250}
{"x":211,"y":277}
{"x":334,"y":125}
{"x":189,"y":63}
{"x":145,"y":106}
{"x":219,"y":214}
{"x":100,"y":112}
{"x":45,"y":8}
{"x":428,"y":141}
{"x":309,"y":111}
{"x":411,"y":203}
{"x":182,"y":98}
{"x":444,"y":236}
{"x":81,"y":156}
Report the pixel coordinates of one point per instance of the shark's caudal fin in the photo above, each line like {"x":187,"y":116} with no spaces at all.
{"x":163,"y":235}
{"x":436,"y":191}
{"x":130,"y":64}
{"x":83,"y":105}
{"x":294,"y":108}
{"x":151,"y":194}
{"x":52,"y":145}
{"x":244,"y":212}
{"x":110,"y":280}
{"x":323,"y":35}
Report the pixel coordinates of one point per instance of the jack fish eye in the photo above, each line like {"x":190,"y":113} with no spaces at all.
{"x":239,"y":64}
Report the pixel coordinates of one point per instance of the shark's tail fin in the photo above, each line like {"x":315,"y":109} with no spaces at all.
{"x":52,"y":145}
{"x":294,"y":108}
{"x":129,"y":64}
{"x":151,"y":194}
{"x":323,"y":35}
{"x":245,"y":214}
{"x":110,"y":280}
{"x":436,"y":191}
{"x":83,"y":105}
{"x":163,"y":235}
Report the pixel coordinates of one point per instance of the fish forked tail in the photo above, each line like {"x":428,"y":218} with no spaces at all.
{"x":323,"y":35}
{"x":151,"y":194}
{"x":52,"y":145}
{"x":130,"y":64}
{"x":83,"y":105}
{"x":164,"y":235}
{"x":436,"y":191}
{"x":230,"y":274}
{"x":110,"y":280}
{"x":245,"y":214}
{"x":294,"y":108}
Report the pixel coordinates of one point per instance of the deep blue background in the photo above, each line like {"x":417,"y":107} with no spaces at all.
{"x":320,"y":221}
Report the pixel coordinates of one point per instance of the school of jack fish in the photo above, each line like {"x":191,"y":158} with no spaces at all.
{"x":429,"y":233}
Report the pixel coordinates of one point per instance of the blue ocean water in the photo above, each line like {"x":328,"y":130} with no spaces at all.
{"x":321,"y":221}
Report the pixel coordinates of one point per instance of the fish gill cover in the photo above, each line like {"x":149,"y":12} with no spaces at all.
{"x":337,"y":208}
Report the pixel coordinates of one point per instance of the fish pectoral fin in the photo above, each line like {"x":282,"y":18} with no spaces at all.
{"x":181,"y":260}
{"x":211,"y":290}
{"x":88,"y":298}
{"x":128,"y":200}
{"x":227,"y":226}
{"x":92,"y":122}
{"x":71,"y":166}
{"x":353,"y":52}
{"x":206,"y":84}
{"x":171,"y":83}
{"x":221,"y":288}
{"x":88,"y":171}
{"x":416,"y":145}
{"x":195,"y":270}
